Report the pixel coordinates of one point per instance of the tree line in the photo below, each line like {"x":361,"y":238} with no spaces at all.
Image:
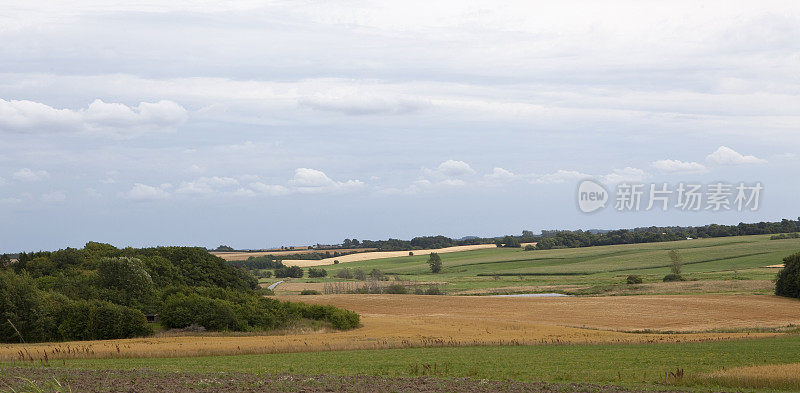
{"x":549,"y":239}
{"x":102,"y":292}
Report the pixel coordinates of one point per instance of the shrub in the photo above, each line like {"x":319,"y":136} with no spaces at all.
{"x":435,"y":262}
{"x":530,"y":247}
{"x":433,"y":290}
{"x":309,"y":292}
{"x":673,"y":277}
{"x":634,"y":279}
{"x":676,"y":262}
{"x":359,"y":274}
{"x":345,"y":273}
{"x":377,"y":275}
{"x":396,"y":289}
{"x":293,"y":271}
{"x":100,"y":320}
{"x":788,"y":282}
{"x":180,"y":311}
{"x":317,"y":272}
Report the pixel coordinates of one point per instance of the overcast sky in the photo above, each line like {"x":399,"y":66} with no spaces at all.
{"x":296,"y":122}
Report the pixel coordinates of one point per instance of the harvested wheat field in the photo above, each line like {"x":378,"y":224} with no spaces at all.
{"x":772,"y":376}
{"x":243,"y":255}
{"x":396,"y":321}
{"x":364,"y":256}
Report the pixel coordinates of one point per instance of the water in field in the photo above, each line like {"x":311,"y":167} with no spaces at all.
{"x":534,"y":295}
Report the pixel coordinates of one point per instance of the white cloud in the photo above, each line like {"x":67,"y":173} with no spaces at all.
{"x":501,"y":175}
{"x":208,"y":185}
{"x":726,"y":156}
{"x":54,"y":197}
{"x":449,"y":169}
{"x":559,"y":176}
{"x":307,"y":180}
{"x":269,"y":189}
{"x":626,"y":174}
{"x":3,"y":181}
{"x":99,"y":117}
{"x":679,"y":166}
{"x":142,"y":192}
{"x":29,"y":175}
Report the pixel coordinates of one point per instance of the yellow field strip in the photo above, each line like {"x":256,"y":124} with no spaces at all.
{"x":365,"y":256}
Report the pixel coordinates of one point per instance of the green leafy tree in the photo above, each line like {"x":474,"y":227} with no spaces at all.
{"x":788,"y":283}
{"x":126,"y":282}
{"x":435,"y":262}
{"x":676,"y":262}
{"x":510,"y":241}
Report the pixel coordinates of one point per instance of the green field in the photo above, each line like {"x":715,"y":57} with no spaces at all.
{"x":596,"y":269}
{"x":627,"y":365}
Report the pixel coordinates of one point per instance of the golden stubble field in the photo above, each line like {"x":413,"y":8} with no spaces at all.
{"x":365,"y":256}
{"x":396,"y":321}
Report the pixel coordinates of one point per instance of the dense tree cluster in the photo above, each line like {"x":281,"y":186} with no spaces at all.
{"x":102,"y":292}
{"x":788,"y":283}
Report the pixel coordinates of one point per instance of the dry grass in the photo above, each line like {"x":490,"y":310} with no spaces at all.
{"x":773,"y":376}
{"x":364,"y":256}
{"x":397,"y":321}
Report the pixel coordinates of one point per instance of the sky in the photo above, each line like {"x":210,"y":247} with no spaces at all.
{"x":259,"y":124}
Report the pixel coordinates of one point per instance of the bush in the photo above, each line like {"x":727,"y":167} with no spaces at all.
{"x":359,"y":274}
{"x":100,"y":320}
{"x":317,"y":272}
{"x":673,"y":277}
{"x":396,"y":289}
{"x":411,"y":253}
{"x":634,"y":279}
{"x":293,"y":271}
{"x":433,"y":290}
{"x":530,"y":247}
{"x":180,"y":311}
{"x":788,"y":282}
{"x":310,"y":292}
{"x":435,"y":262}
{"x":345,"y":273}
{"x":377,"y":275}
{"x":335,"y":261}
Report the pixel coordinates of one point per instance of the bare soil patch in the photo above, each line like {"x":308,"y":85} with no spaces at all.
{"x":145,"y":381}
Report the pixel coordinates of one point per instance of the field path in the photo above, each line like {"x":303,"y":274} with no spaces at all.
{"x":364,"y":256}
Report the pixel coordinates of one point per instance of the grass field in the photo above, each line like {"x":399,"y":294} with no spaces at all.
{"x":621,"y":364}
{"x":595,"y":270}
